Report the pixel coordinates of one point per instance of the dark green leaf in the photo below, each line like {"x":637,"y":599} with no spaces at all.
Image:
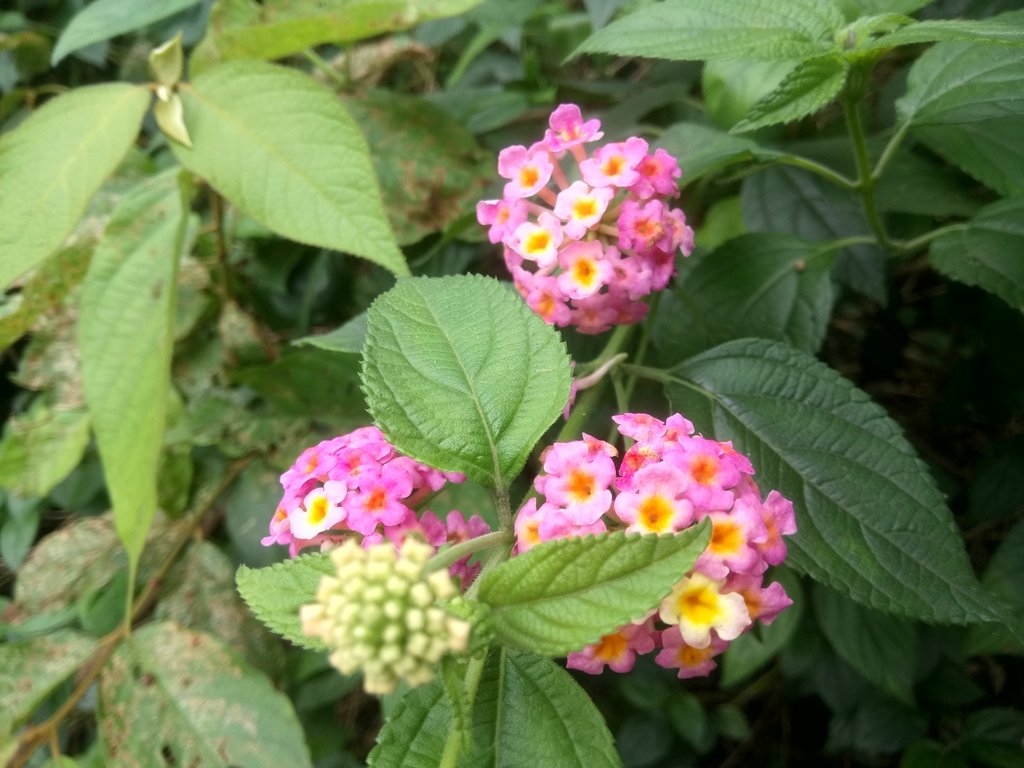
{"x":914,"y":184}
{"x":125,"y":331}
{"x":990,"y":151}
{"x":706,"y":29}
{"x":170,"y":690}
{"x":1004,"y":577}
{"x":702,"y":149}
{"x":872,"y":523}
{"x":349,"y":338}
{"x":561,"y":595}
{"x":987,"y":252}
{"x":461,"y":375}
{"x":415,"y":734}
{"x":258,"y":137}
{"x":276,"y":593}
{"x":51,"y":165}
{"x":759,"y":285}
{"x":809,"y":87}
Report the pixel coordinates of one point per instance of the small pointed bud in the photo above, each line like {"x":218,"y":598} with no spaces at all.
{"x":167,"y":62}
{"x":170,"y":116}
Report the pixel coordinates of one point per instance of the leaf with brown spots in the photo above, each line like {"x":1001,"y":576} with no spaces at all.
{"x":171,"y":696}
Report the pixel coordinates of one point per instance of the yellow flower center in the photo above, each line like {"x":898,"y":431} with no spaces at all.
{"x":655,"y":513}
{"x":318,"y":510}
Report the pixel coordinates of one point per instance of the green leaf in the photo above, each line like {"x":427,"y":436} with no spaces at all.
{"x":964,"y":83}
{"x":258,"y":133}
{"x":272,"y":29}
{"x":793,"y":200}
{"x":933,"y":30}
{"x":169,"y":690}
{"x":529,"y":712}
{"x":872,"y":523}
{"x":167,"y":61}
{"x":702,"y":149}
{"x":53,"y":162}
{"x":276,"y":593}
{"x":758,"y":285}
{"x":759,"y":30}
{"x":809,"y":87}
{"x":987,"y":252}
{"x":1003,"y":577}
{"x":31,"y":669}
{"x":856,"y":8}
{"x":348,"y":338}
{"x":883,"y":649}
{"x":430,"y":168}
{"x":104,"y":19}
{"x":561,"y":595}
{"x":461,"y":375}
{"x":916,"y":184}
{"x":414,"y":735}
{"x":125,"y":335}
{"x":990,"y":151}
{"x":40,"y":448}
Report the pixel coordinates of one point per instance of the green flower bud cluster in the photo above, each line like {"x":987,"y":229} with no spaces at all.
{"x":380,"y":614}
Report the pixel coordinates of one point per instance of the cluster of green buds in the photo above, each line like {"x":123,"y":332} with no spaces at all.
{"x":382,"y":614}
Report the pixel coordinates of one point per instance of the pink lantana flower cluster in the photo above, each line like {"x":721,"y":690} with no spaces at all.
{"x":668,"y":480}
{"x":357,"y":484}
{"x":586,"y":243}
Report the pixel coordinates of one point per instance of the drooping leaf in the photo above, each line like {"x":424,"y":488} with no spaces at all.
{"x":703,"y":149}
{"x":430,"y":168}
{"x":284,"y":150}
{"x":809,"y":87}
{"x":881,"y":648}
{"x":53,"y":162}
{"x":989,"y":151}
{"x":872,"y":523}
{"x":758,"y":30}
{"x":933,"y":30}
{"x":530,"y":712}
{"x":104,"y":19}
{"x":987,"y":252}
{"x":793,"y":200}
{"x":272,"y":29}
{"x":125,"y":331}
{"x":31,"y":669}
{"x":955,"y":83}
{"x":564,"y":594}
{"x":461,"y":375}
{"x":757,"y":285}
{"x":348,"y":338}
{"x":275,"y":593}
{"x":169,"y":690}
{"x":40,"y":448}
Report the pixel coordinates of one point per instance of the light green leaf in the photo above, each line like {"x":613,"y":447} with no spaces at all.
{"x":52,"y":163}
{"x":564,"y":594}
{"x":933,"y":30}
{"x":857,"y":8}
{"x":990,"y":151}
{"x":31,"y":669}
{"x":275,"y":593}
{"x":170,"y":117}
{"x":167,"y":61}
{"x":272,"y":29}
{"x":461,"y":375}
{"x":702,"y":149}
{"x":348,"y":338}
{"x":872,"y":523}
{"x":40,"y":448}
{"x":125,"y":330}
{"x":955,"y":83}
{"x":529,"y":712}
{"x":760,"y":30}
{"x":284,"y":150}
{"x":883,"y":649}
{"x":104,"y":19}
{"x":169,"y":689}
{"x":810,"y":86}
{"x":987,"y":252}
{"x":758,"y":285}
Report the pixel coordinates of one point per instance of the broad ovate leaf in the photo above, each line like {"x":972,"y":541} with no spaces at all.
{"x":704,"y":149}
{"x":275,"y":593}
{"x":461,"y":375}
{"x":872,"y":523}
{"x":172,"y":694}
{"x":416,"y":733}
{"x":563,"y":594}
{"x":53,"y":163}
{"x":990,"y":151}
{"x":125,"y":333}
{"x":104,"y":19}
{"x":760,"y":30}
{"x":987,"y":252}
{"x":282,"y":148}
{"x":810,"y":86}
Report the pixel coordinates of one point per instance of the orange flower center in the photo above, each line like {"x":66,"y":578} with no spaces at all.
{"x":611,"y":647}
{"x":580,"y":485}
{"x":528,"y":176}
{"x":655,"y":512}
{"x":704,"y":469}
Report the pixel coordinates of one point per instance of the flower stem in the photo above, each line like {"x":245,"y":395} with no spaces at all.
{"x":456,"y":552}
